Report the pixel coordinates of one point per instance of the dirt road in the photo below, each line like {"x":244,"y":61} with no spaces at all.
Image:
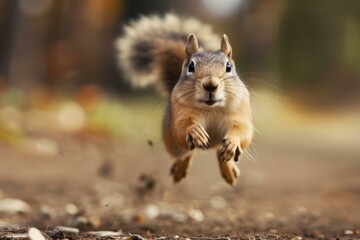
{"x":93,"y":184}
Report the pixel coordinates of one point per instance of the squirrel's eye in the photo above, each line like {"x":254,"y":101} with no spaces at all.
{"x":191,"y":67}
{"x":228,"y":67}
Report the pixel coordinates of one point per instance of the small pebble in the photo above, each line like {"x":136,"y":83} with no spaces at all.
{"x":151,"y":211}
{"x":47,"y":212}
{"x":273,"y":231}
{"x":15,"y":236}
{"x":179,"y":217}
{"x":14,"y":206}
{"x":46,"y":146}
{"x":297,"y":238}
{"x":80,"y":221}
{"x":66,"y":229}
{"x":196,"y":215}
{"x":136,"y":237}
{"x":139,"y":218}
{"x":71,"y":116}
{"x":349,"y":232}
{"x":106,"y":233}
{"x":176,"y":237}
{"x":95,"y":221}
{"x":71,"y":209}
{"x":35,"y":234}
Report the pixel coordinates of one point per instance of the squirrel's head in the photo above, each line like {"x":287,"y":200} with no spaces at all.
{"x":209,"y":78}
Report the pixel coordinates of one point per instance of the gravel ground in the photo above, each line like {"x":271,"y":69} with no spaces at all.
{"x":85,"y":186}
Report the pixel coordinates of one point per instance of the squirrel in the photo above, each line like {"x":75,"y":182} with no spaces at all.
{"x":208,"y":104}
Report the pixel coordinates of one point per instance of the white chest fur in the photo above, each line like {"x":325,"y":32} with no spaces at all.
{"x":216,"y":125}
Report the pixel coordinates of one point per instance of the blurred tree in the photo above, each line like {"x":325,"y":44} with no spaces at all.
{"x":7,"y":22}
{"x":64,"y":44}
{"x":313,"y":44}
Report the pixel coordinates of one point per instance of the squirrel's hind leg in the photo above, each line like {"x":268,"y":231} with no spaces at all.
{"x":229,"y":170}
{"x":180,"y":168}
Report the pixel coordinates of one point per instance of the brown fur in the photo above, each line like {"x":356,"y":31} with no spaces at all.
{"x":151,"y":51}
{"x":208,"y":108}
{"x":226,"y":126}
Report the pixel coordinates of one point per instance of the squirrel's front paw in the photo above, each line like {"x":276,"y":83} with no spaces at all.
{"x":229,"y":150}
{"x":198,"y":137}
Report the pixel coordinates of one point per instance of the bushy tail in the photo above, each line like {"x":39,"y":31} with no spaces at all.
{"x":152,"y":49}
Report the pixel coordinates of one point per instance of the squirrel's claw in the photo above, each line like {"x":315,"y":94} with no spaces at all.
{"x":198,"y":137}
{"x":189,"y":140}
{"x":237,"y":154}
{"x":228,"y":151}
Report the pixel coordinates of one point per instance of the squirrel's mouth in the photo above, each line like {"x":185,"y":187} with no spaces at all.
{"x":210,"y":101}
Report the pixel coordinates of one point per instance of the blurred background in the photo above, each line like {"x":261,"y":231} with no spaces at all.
{"x":68,"y":118}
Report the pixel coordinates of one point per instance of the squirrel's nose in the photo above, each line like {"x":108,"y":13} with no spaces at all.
{"x":210,"y":87}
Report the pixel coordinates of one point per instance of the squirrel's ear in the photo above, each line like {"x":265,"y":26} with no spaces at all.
{"x":192,"y":45}
{"x":225,"y":46}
